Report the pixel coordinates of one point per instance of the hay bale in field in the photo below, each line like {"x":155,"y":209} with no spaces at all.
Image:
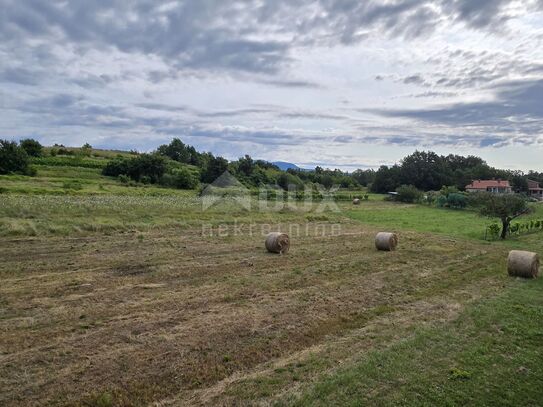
{"x":277,"y":242}
{"x":386,"y":241}
{"x":356,"y":201}
{"x":523,"y":264}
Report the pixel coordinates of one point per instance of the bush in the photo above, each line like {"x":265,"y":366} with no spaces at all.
{"x":31,"y":171}
{"x":147,"y":165}
{"x":441,"y":201}
{"x":431,"y":197}
{"x":64,"y":151}
{"x":181,"y":178}
{"x":408,"y":194}
{"x":494,"y":231}
{"x":286,"y":180}
{"x":32,"y":147}
{"x":146,"y":168}
{"x":145,"y":179}
{"x":116,"y":167}
{"x":85,"y":150}
{"x":124,"y":179}
{"x":456,"y":201}
{"x":12,"y":158}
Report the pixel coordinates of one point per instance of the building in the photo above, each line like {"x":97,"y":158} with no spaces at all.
{"x":535,"y":191}
{"x":494,"y":186}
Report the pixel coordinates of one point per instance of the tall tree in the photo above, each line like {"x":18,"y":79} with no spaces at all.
{"x":426,"y":171}
{"x":386,"y":179}
{"x":179,"y":151}
{"x":214,"y":168}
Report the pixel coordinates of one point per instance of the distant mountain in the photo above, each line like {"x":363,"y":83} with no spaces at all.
{"x":285,"y":166}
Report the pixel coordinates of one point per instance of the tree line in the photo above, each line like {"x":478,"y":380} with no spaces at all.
{"x":428,"y":171}
{"x":180,"y":165}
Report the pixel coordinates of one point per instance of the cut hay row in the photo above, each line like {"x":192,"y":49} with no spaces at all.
{"x":519,"y":263}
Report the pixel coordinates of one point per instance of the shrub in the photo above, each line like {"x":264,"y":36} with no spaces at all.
{"x":181,"y":178}
{"x":32,"y":147}
{"x":408,"y":194}
{"x":494,"y":231}
{"x":430,"y":197}
{"x":116,"y":167}
{"x":441,"y":201}
{"x":124,"y":179}
{"x":13,"y":158}
{"x":64,"y":151}
{"x":86,"y":150}
{"x":456,"y":201}
{"x":286,"y":180}
{"x":147,"y":168}
{"x":31,"y":171}
{"x":152,"y":166}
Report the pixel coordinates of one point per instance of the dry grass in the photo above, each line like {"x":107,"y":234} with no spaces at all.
{"x":173,"y":317}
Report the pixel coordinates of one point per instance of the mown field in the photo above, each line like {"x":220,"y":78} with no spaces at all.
{"x":117,"y":296}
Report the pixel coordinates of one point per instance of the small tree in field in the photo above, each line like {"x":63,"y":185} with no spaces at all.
{"x":506,"y":207}
{"x":32,"y":147}
{"x":12,"y":158}
{"x":408,"y":194}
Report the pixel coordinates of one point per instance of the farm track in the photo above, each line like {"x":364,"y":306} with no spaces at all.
{"x":176,"y":318}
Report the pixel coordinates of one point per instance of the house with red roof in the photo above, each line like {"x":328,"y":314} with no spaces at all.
{"x":534,"y":190}
{"x":494,"y":186}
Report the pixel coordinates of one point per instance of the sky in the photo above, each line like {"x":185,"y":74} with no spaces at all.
{"x":338,"y":83}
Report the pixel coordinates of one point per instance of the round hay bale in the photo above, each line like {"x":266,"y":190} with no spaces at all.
{"x":356,"y":201}
{"x":277,"y":242}
{"x":386,"y":241}
{"x":523,"y":264}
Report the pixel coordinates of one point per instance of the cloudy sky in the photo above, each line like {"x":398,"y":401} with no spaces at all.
{"x":340,"y":83}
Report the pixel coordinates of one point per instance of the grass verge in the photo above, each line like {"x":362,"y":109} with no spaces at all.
{"x":491,"y":355}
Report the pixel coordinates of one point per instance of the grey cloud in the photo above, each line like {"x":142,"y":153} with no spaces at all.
{"x":233,"y":36}
{"x":413,"y":79}
{"x":233,"y":113}
{"x":20,"y":76}
{"x":161,"y":107}
{"x":293,"y":84}
{"x":434,"y":94}
{"x":518,"y":105}
{"x":311,"y":115}
{"x":478,"y":13}
{"x":344,"y":139}
{"x":51,"y":103}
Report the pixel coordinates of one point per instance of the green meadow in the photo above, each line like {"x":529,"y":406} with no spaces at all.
{"x":112,"y":295}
